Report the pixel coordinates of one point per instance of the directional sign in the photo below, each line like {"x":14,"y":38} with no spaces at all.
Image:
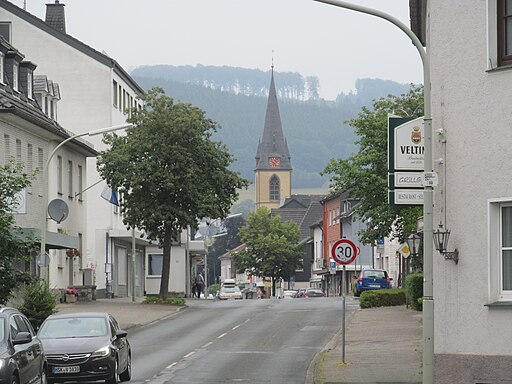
{"x":344,"y":251}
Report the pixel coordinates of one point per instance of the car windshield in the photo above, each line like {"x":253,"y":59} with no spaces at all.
{"x":375,"y":274}
{"x":73,"y":327}
{"x":2,"y":330}
{"x":230,"y":289}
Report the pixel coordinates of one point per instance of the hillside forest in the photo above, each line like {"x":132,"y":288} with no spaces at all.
{"x":236,"y":98}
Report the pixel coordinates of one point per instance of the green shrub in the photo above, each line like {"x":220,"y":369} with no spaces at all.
{"x":382,"y":298}
{"x":168,"y":300}
{"x":39,"y":302}
{"x":414,"y":290}
{"x":214,"y":288}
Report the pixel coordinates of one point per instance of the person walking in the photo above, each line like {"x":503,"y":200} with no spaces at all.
{"x":194,"y":289}
{"x":199,"y":285}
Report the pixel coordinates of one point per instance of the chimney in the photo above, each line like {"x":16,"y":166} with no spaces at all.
{"x":55,"y":16}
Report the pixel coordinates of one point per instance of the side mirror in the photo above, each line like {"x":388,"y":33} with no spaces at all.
{"x":121,"y":333}
{"x":22,"y":338}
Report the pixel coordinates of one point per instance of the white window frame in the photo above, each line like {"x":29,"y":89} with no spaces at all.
{"x":29,"y":84}
{"x":495,"y":276}
{"x":2,"y":62}
{"x":15,"y":76}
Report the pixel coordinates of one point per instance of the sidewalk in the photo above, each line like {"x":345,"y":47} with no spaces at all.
{"x":128,"y":313}
{"x":383,"y":345}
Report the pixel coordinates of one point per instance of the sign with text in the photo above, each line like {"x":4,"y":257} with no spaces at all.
{"x":344,"y":251}
{"x":409,"y":146}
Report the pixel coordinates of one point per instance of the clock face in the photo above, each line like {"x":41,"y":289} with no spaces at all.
{"x":274,"y":161}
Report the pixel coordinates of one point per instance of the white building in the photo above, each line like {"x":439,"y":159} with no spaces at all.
{"x":27,"y":136}
{"x":97,"y":93}
{"x":470,"y":49}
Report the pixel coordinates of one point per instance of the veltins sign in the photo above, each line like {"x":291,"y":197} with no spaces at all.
{"x":409,"y":146}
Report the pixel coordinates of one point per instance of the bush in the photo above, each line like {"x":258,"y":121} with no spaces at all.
{"x":414,"y":290}
{"x":382,"y":298}
{"x":39,"y":302}
{"x":214,"y":288}
{"x":168,"y":300}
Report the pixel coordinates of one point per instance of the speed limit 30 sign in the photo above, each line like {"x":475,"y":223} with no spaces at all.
{"x":344,"y":251}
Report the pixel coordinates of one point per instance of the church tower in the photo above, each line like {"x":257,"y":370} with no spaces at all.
{"x":273,"y":167}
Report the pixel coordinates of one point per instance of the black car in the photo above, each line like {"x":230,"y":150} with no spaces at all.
{"x":85,"y":347}
{"x":21,"y":352}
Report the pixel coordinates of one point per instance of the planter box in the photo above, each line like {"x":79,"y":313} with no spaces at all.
{"x":70,"y":298}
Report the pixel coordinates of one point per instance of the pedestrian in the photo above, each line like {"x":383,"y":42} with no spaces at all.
{"x":194,"y":289}
{"x":199,"y":284}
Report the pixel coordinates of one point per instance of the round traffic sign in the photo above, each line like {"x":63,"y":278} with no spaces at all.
{"x":344,"y":251}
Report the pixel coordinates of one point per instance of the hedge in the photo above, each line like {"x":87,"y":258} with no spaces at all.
{"x":414,"y":290}
{"x":382,"y":298}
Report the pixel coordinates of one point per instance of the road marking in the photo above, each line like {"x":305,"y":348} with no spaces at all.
{"x":171,"y":365}
{"x":246,"y":321}
{"x":189,"y":354}
{"x":207,"y":344}
{"x":236,"y":326}
{"x":221,"y":336}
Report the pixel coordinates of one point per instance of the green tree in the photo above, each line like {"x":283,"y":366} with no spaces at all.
{"x":14,"y":247}
{"x":39,"y":302}
{"x":271,"y":247}
{"x":365,"y":173}
{"x":169,"y":171}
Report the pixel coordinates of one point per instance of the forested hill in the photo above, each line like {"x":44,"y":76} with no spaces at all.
{"x":314,"y":129}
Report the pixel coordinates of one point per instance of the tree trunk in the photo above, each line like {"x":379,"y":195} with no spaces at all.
{"x":166,"y":264}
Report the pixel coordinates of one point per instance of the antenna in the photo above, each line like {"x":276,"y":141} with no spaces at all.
{"x":24,"y":5}
{"x":272,"y":60}
{"x":58,"y":210}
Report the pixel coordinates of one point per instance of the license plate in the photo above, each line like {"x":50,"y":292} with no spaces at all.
{"x":374,"y":285}
{"x":71,"y":369}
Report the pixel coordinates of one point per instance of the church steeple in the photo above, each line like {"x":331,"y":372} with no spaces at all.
{"x":273,"y":166}
{"x":273,"y":145}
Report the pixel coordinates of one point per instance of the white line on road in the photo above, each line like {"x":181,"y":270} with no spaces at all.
{"x":189,"y":354}
{"x":207,"y":344}
{"x":221,"y":336}
{"x":236,"y":326}
{"x":171,"y":365}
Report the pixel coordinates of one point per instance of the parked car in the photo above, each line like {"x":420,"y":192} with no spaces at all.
{"x":289,"y":294}
{"x":226,"y":293}
{"x":300,"y":292}
{"x":371,"y":279}
{"x":22,"y":358}
{"x":85,"y":347}
{"x":313,"y":292}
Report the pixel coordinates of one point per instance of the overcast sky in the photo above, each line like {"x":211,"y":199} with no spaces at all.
{"x":337,"y":45}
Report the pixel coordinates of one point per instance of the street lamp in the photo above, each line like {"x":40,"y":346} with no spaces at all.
{"x":45,"y":176}
{"x":428,"y":193}
{"x":413,"y":241}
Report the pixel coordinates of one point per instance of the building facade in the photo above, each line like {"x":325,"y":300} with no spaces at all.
{"x":470,"y":56}
{"x":99,"y":93}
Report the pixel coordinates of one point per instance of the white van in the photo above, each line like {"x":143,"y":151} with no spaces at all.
{"x":229,"y":283}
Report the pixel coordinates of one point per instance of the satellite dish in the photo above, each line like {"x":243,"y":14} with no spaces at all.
{"x":58,"y":210}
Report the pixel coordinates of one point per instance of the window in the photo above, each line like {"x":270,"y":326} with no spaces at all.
{"x":504,"y":12}
{"x":18,"y":151}
{"x":30,"y":159}
{"x":70,"y":179}
{"x":274,"y":188}
{"x":29,"y":84}
{"x":7,"y":143}
{"x":500,"y":250}
{"x":80,"y":183}
{"x":46,"y":105}
{"x":155,"y":264}
{"x":5,"y":31}
{"x":15,"y":71}
{"x":59,"y":175}
{"x":114,"y":93}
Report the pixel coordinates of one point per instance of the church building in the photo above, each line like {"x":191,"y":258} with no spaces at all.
{"x":273,"y":166}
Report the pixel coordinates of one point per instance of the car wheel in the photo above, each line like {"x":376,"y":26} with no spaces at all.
{"x":14,"y":380}
{"x":127,"y":374}
{"x":113,"y":379}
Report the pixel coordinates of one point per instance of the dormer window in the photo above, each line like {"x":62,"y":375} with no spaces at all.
{"x":29,"y":84}
{"x":15,"y":72}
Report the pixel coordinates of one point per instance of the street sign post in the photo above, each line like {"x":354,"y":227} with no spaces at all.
{"x":344,"y":252}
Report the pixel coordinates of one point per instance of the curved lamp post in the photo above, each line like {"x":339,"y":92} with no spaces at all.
{"x":45,"y":176}
{"x":428,"y":287}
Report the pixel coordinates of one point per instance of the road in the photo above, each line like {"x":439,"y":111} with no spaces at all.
{"x":248,"y":341}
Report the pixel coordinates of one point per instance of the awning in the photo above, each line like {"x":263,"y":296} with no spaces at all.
{"x":54,"y":240}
